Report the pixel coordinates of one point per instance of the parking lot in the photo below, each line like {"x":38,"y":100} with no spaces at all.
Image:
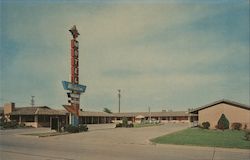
{"x":107,"y":143}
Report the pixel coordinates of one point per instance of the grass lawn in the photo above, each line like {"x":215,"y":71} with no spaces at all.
{"x":46,"y":134}
{"x":203,"y":137}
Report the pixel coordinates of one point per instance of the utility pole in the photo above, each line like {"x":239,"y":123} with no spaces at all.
{"x":32,"y":101}
{"x":149,"y":114}
{"x":119,"y":97}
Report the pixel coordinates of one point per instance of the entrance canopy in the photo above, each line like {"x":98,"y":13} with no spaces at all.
{"x":139,"y":117}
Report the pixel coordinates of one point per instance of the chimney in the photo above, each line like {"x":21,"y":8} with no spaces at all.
{"x":8,"y":108}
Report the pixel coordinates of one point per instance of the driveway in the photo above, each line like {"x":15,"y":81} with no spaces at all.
{"x":108,"y":143}
{"x":111,"y":135}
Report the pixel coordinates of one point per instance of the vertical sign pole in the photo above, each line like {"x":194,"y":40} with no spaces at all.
{"x":74,"y":74}
{"x":74,"y":87}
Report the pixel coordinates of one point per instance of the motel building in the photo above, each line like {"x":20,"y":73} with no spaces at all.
{"x":235,"y":113}
{"x":159,"y":117}
{"x":88,"y":117}
{"x":43,"y":116}
{"x":37,"y":116}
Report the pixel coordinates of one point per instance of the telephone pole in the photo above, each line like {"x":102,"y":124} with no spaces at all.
{"x":119,"y":98}
{"x":149,"y":114}
{"x":32,"y":101}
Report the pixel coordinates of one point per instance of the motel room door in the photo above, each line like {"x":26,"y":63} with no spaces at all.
{"x":54,"y":121}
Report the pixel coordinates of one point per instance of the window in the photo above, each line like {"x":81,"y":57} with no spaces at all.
{"x":43,"y":118}
{"x":28,"y":118}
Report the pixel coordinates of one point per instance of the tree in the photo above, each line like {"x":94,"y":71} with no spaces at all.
{"x":107,"y":110}
{"x":223,"y":122}
{"x":205,"y":125}
{"x":124,"y":122}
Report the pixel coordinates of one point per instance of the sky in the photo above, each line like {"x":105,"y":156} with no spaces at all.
{"x":162,"y":54}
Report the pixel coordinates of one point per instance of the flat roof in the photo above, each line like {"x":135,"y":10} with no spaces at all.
{"x":37,"y":110}
{"x":44,"y":110}
{"x":95,"y":114}
{"x":153,"y":114}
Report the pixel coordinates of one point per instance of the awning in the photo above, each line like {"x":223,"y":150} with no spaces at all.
{"x":139,"y":117}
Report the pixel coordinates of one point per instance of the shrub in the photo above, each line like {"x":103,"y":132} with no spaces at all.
{"x":205,"y":125}
{"x":124,"y":122}
{"x":236,"y":126}
{"x":245,"y":127}
{"x":11,"y":125}
{"x":75,"y":129}
{"x":247,"y":135}
{"x":71,"y":129}
{"x":3,"y":120}
{"x":22,"y":125}
{"x":118,"y":125}
{"x":223,"y":123}
{"x":131,"y":125}
{"x":83,"y":128}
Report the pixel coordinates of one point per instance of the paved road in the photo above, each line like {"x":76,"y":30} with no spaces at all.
{"x":107,"y":144}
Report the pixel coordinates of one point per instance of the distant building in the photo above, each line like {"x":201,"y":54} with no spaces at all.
{"x":163,"y":117}
{"x":87,"y":117}
{"x":38,"y":116}
{"x":41,"y":116}
{"x":234,"y":112}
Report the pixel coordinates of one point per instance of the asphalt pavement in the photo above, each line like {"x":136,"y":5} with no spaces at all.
{"x":105,"y":142}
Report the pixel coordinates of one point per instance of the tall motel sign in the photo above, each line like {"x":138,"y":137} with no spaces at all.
{"x":75,"y":89}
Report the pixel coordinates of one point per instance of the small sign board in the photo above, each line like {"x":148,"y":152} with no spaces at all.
{"x":72,"y":109}
{"x":74,"y":101}
{"x":73,"y":87}
{"x":73,"y":95}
